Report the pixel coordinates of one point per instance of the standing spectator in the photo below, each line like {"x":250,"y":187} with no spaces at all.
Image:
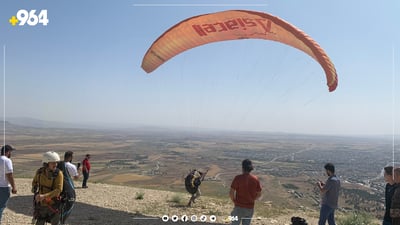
{"x":395,"y":207}
{"x":389,"y":191}
{"x":71,"y":168}
{"x":47,"y":186}
{"x":245,"y":189}
{"x":85,"y":170}
{"x":330,"y":196}
{"x":6,"y":177}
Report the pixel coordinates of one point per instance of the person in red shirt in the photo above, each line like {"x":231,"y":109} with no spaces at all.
{"x":85,"y":170}
{"x":245,"y":189}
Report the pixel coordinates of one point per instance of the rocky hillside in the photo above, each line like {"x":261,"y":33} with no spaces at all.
{"x":104,"y":204}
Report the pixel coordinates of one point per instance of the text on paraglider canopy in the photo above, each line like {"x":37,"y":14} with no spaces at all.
{"x":232,"y":24}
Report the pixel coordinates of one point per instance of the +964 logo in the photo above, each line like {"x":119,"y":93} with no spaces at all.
{"x":29,"y":18}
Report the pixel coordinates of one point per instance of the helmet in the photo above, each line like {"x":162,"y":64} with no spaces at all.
{"x":50,"y":156}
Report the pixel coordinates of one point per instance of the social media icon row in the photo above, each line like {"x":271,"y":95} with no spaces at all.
{"x":185,"y":218}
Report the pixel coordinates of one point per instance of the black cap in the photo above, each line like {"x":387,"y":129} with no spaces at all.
{"x":6,"y":148}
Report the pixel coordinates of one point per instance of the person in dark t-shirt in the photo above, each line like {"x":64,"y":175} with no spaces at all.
{"x":389,"y":190}
{"x":330,"y":196}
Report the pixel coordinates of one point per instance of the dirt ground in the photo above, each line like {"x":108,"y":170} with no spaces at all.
{"x":104,"y":204}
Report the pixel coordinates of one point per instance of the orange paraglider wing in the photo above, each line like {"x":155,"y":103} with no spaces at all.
{"x":232,"y":25}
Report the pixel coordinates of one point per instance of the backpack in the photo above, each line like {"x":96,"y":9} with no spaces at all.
{"x":192,"y":183}
{"x":298,"y":221}
{"x":65,"y":202}
{"x":67,"y":195}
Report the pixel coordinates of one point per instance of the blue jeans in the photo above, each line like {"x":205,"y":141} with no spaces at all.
{"x":4,"y":196}
{"x":85,"y":178}
{"x":386,"y":223}
{"x":243,"y":215}
{"x":326,"y":213}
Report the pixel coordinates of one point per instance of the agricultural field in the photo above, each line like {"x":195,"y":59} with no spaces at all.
{"x":288,"y":165}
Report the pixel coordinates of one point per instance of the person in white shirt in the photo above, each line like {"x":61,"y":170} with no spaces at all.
{"x":6,"y":177}
{"x":72,"y":170}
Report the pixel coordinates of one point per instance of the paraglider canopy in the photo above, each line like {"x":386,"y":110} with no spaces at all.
{"x":234,"y":25}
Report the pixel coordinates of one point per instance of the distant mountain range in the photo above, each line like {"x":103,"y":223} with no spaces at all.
{"x":37,"y":123}
{"x":31,"y":122}
{"x":28,"y":122}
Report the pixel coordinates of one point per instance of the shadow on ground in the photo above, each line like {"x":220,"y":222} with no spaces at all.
{"x":85,"y":214}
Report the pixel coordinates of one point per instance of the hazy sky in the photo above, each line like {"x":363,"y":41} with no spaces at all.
{"x":84,"y":67}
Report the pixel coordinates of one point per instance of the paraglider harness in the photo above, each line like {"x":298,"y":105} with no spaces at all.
{"x":64,"y":203}
{"x":192,"y":182}
{"x":298,"y":221}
